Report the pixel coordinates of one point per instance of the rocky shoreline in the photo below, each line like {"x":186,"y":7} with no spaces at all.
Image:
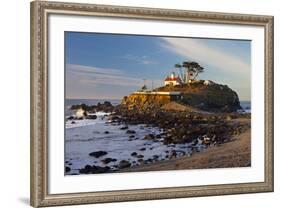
{"x":236,"y":153}
{"x":185,"y":126}
{"x":196,"y":129}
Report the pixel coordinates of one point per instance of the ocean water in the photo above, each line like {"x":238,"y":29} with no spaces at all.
{"x":87,"y":135}
{"x":246,"y":106}
{"x":70,"y":102}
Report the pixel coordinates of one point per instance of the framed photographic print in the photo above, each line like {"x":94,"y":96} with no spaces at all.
{"x":139,"y":103}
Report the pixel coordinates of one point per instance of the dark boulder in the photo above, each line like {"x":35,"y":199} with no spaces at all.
{"x":134,"y":154}
{"x":149,"y":137}
{"x":91,"y":117}
{"x":140,"y":160}
{"x":105,"y":107}
{"x":98,"y":154}
{"x":67,"y":169}
{"x":155,"y":156}
{"x":94,"y":169}
{"x":131,"y":131}
{"x":107,"y":104}
{"x":124,"y":164}
{"x":108,"y":160}
{"x":124,"y":127}
{"x":81,"y":106}
{"x":70,"y":117}
{"x":158,"y":136}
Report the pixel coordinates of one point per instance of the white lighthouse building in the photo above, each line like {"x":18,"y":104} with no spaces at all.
{"x":172,"y":80}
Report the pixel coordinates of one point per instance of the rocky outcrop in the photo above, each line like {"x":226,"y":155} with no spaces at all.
{"x":105,"y":107}
{"x":214,"y":98}
{"x":186,"y":126}
{"x":145,"y":101}
{"x":208,"y":97}
{"x":174,"y":106}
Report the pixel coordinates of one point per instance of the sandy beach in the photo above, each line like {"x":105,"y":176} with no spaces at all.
{"x":235,"y":153}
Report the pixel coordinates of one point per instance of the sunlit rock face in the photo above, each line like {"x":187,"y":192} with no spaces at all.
{"x":145,"y":100}
{"x":204,"y":95}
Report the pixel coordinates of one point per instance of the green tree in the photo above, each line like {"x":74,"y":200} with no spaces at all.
{"x":179,"y":67}
{"x":193,"y":67}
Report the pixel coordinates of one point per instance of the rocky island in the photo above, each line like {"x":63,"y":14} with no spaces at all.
{"x":202,"y":112}
{"x":182,"y":125}
{"x":204,"y":95}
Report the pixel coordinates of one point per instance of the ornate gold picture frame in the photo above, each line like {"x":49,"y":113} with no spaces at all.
{"x":40,"y":11}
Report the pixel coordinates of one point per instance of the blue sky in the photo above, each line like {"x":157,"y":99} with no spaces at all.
{"x":103,"y":66}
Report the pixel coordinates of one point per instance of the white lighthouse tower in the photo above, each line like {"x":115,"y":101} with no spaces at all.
{"x":172,"y":80}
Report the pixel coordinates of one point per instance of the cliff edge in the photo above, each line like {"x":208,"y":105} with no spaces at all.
{"x":203,"y":95}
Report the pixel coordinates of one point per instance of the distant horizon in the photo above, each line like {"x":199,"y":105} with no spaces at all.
{"x":93,"y":98}
{"x":114,"y":65}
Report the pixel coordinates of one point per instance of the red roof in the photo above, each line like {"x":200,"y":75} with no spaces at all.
{"x":172,"y":79}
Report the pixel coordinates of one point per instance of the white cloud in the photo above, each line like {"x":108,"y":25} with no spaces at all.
{"x":91,"y":70}
{"x":207,"y":55}
{"x":96,"y":82}
{"x":95,"y":75}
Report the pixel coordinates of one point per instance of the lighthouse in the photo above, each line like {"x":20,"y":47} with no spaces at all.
{"x":172,"y":80}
